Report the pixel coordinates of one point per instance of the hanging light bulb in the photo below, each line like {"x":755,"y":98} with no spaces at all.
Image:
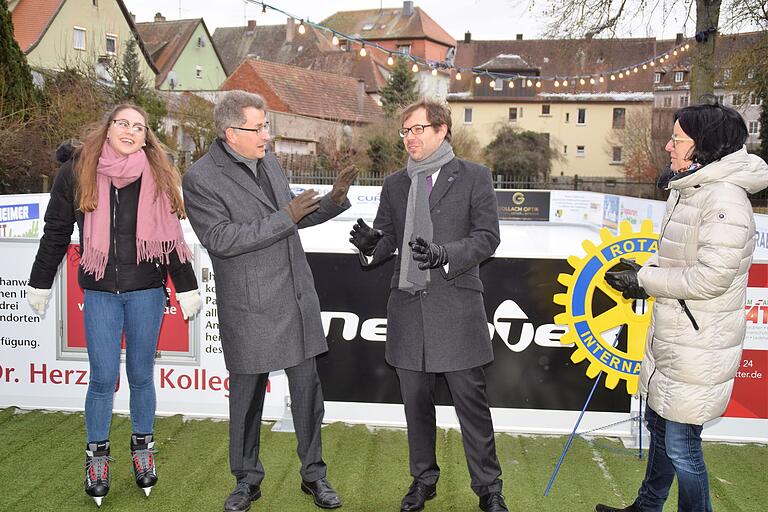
{"x":645,"y":66}
{"x":581,"y":81}
{"x":591,"y":81}
{"x":621,"y":75}
{"x":478,"y":80}
{"x":335,"y":40}
{"x":415,"y":68}
{"x":601,"y":79}
{"x":434,"y":71}
{"x":674,"y":52}
{"x":528,"y":83}
{"x":556,"y":84}
{"x":613,"y":77}
{"x":651,"y":63}
{"x":512,"y":84}
{"x":458,"y":75}
{"x":390,"y":61}
{"x":666,"y":57}
{"x":492,"y":84}
{"x":302,"y":28}
{"x":565,"y":83}
{"x":538,"y":83}
{"x":687,"y":46}
{"x":363,"y":52}
{"x":635,"y":70}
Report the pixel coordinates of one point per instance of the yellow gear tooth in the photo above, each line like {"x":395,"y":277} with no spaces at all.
{"x":565,"y":280}
{"x":647,"y":226}
{"x":588,"y":246}
{"x":606,"y":235}
{"x":625,"y":228}
{"x":560,"y":298}
{"x":632,"y":385}
{"x":593,"y":370}
{"x":561,"y":318}
{"x":568,"y":338}
{"x":611,"y":380}
{"x":574,"y":261}
{"x":578,"y":355}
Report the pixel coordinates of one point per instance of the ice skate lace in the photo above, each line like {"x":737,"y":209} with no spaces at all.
{"x":144,"y":460}
{"x":97,"y":468}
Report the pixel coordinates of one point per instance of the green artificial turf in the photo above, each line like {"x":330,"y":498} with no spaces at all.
{"x":41,"y":469}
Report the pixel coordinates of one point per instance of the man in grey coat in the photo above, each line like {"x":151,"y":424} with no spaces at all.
{"x":244,"y":213}
{"x":440,"y":215}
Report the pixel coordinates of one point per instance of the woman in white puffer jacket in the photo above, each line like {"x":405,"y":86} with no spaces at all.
{"x":699,"y":280}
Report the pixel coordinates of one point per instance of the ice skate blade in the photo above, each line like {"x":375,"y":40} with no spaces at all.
{"x":97,"y":499}
{"x":146,"y":490}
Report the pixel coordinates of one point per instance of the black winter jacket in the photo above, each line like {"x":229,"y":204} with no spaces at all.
{"x":122,"y":273}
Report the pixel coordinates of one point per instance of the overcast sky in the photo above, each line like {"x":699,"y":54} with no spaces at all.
{"x":486,"y":19}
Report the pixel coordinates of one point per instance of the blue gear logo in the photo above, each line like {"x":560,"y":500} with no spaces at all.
{"x":593,"y":331}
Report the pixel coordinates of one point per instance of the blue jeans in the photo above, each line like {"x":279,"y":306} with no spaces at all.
{"x":675,"y":450}
{"x":107,"y":315}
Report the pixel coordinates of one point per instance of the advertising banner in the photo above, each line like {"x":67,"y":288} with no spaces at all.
{"x":523,"y":204}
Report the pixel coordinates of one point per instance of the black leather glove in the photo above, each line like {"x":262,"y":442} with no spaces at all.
{"x":626,"y":282}
{"x":428,"y":255}
{"x":365,"y":237}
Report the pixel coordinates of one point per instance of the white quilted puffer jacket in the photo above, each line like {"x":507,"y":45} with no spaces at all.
{"x":699,"y":280}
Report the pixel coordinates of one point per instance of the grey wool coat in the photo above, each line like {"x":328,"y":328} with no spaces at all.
{"x":443,"y":328}
{"x":269,"y":313}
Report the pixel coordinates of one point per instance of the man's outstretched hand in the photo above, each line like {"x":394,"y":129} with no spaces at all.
{"x":365,"y":237}
{"x":626,"y":281}
{"x":343,"y":181}
{"x":428,"y":255}
{"x":302,"y":205}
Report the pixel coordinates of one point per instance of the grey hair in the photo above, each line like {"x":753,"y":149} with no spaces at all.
{"x":229,"y":110}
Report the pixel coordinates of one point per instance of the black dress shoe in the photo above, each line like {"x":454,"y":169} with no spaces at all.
{"x":321,"y":490}
{"x":417,"y":494}
{"x":493,"y":502}
{"x":605,"y":508}
{"x":241,"y":498}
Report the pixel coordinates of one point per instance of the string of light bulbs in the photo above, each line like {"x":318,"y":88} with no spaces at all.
{"x":458,"y":72}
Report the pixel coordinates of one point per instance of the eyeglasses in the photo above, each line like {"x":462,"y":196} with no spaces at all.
{"x":416,"y":129}
{"x":124,"y":124}
{"x":263,"y":128}
{"x":674,"y":140}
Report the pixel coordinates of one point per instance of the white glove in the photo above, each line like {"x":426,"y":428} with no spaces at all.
{"x":190,"y":302}
{"x":38,"y":299}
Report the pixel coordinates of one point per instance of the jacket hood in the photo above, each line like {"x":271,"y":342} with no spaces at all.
{"x":740,"y":168}
{"x":66,"y":150}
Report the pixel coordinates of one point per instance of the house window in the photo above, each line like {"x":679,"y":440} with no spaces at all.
{"x":754,"y":99}
{"x":616,"y":155}
{"x":111,"y":44}
{"x":581,"y":118}
{"x":737,"y":100}
{"x":754,"y":127}
{"x":79,"y":38}
{"x":726,"y":74}
{"x":678,"y":76}
{"x":684,"y":100}
{"x":545,"y":110}
{"x":513,"y":114}
{"x":580,"y":151}
{"x":720,"y":99}
{"x":95,"y":3}
{"x":198,"y":72}
{"x":498,"y":84}
{"x":565,"y":149}
{"x":467,"y":116}
{"x":567,"y":117}
{"x":668,"y":101}
{"x":619,"y":117}
{"x":405,"y":49}
{"x":657,"y":78}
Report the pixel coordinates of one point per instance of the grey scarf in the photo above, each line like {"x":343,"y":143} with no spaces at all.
{"x":418,"y":221}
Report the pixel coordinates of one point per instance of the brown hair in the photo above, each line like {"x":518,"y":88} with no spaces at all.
{"x":438,"y":113}
{"x":164,"y":171}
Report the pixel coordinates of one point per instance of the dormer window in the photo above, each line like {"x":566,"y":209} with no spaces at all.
{"x":369,"y":26}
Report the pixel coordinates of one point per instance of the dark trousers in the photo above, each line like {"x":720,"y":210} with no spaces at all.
{"x":675,"y":451}
{"x":468,"y":391}
{"x":246,"y":402}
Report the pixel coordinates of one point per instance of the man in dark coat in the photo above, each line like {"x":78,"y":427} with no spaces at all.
{"x":242,"y":210}
{"x":440,"y":215}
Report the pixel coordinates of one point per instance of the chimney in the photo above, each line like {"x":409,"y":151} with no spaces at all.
{"x":519,"y":37}
{"x":407,"y":8}
{"x":251,"y":26}
{"x":159,"y":17}
{"x":679,"y":38}
{"x":289,"y":30}
{"x":467,"y":36}
{"x":360,"y":96}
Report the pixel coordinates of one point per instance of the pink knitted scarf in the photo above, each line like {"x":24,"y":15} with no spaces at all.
{"x":158,"y":231}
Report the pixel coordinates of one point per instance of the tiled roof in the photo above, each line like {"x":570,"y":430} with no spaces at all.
{"x":310,"y":93}
{"x":165,"y":41}
{"x":567,"y":58}
{"x":31,"y":19}
{"x":389,"y":23}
